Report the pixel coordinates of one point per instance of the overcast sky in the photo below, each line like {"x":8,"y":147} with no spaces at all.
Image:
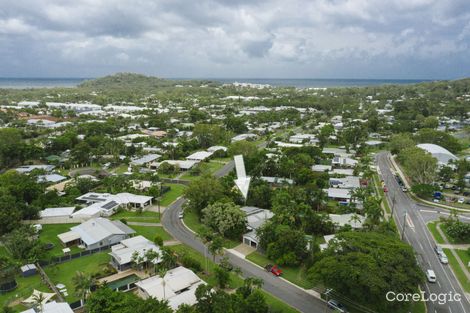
{"x":236,"y":38}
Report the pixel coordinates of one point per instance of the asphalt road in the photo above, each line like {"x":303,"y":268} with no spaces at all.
{"x":418,"y":235}
{"x":281,"y":289}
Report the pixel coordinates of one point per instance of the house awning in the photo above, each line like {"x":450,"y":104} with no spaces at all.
{"x":68,"y":236}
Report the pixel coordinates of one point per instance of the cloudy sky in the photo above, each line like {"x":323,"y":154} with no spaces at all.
{"x":236,"y":38}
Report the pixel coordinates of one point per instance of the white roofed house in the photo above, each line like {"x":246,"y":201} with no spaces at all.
{"x":183,"y":165}
{"x":178,"y":287}
{"x":339,"y":194}
{"x":303,"y":138}
{"x":145,"y":160}
{"x":96,"y":233}
{"x":256,"y":217}
{"x":343,"y":162}
{"x":443,"y":156}
{"x":356,"y":221}
{"x":214,"y":149}
{"x":348,"y":182}
{"x":199,"y":156}
{"x":123,"y":254}
{"x":125,"y":199}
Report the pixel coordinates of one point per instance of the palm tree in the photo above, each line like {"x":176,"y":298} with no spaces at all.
{"x":373,"y":210}
{"x":82,"y":284}
{"x":162,"y":272}
{"x":150,"y":256}
{"x":38,"y":301}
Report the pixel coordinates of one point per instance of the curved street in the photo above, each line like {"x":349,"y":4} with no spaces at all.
{"x":285,"y":291}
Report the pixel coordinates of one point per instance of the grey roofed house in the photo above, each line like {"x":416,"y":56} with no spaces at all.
{"x":146,"y":159}
{"x":348,"y":182}
{"x":50,"y":178}
{"x":344,"y":161}
{"x":216,"y":148}
{"x":25,"y":169}
{"x":98,"y":232}
{"x":337,"y":152}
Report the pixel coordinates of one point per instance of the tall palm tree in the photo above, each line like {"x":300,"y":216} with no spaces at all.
{"x":38,"y":301}
{"x":162,"y":272}
{"x":82,"y":284}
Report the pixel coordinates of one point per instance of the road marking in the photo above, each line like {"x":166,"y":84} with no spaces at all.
{"x":429,"y":211}
{"x":422,"y":248}
{"x":439,"y":284}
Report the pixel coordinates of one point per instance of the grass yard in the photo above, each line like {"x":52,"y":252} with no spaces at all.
{"x":458,"y":271}
{"x":296,"y":275}
{"x":134,"y":216}
{"x":206,"y":168}
{"x":191,"y":220}
{"x":26,"y":286}
{"x":49,"y":235}
{"x":121,"y":169}
{"x":275,"y":304}
{"x":432,"y":226}
{"x":169,"y":197}
{"x":150,"y":232}
{"x":63,"y":273}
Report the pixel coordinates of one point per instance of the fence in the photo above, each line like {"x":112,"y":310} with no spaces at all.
{"x":65,"y":258}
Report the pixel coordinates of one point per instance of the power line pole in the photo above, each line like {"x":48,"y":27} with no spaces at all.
{"x":404,"y":225}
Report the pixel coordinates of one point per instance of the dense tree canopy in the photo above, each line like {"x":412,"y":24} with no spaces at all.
{"x":364,"y":266}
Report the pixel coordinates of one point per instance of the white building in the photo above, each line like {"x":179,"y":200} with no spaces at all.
{"x":96,"y":233}
{"x":256,"y":217}
{"x":122,"y":253}
{"x":178,"y":287}
{"x":199,"y":156}
{"x":442,"y":155}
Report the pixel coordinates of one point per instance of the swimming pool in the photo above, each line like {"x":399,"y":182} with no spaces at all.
{"x":124,"y":283}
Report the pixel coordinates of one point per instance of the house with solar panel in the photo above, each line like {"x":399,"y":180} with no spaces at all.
{"x":96,"y":233}
{"x":106,"y":204}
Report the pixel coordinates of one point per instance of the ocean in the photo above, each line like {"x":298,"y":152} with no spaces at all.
{"x":20,"y":83}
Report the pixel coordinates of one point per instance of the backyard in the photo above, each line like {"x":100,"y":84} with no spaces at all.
{"x":49,"y":234}
{"x":25,"y":288}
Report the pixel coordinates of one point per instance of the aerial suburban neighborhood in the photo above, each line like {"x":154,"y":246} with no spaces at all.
{"x":131,"y":193}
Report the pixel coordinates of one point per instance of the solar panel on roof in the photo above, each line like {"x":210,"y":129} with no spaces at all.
{"x":109,"y":205}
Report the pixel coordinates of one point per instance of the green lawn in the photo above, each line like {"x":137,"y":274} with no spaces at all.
{"x":206,"y":168}
{"x":134,"y":216}
{"x":432,"y":226}
{"x":150,"y":232}
{"x":169,"y":197}
{"x":295,"y":275}
{"x":121,"y":169}
{"x":63,"y":273}
{"x":26,"y":286}
{"x":192,"y":221}
{"x":275,"y":304}
{"x":458,"y":271}
{"x":49,"y":235}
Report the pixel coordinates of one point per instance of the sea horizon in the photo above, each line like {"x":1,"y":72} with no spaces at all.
{"x":53,"y":82}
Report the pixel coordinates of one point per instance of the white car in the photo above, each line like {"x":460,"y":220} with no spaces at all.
{"x":181,"y":215}
{"x":461,"y":200}
{"x":431,"y":276}
{"x":443,"y":258}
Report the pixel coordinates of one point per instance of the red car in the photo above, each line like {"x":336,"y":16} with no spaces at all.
{"x":273,"y":269}
{"x":385,"y":189}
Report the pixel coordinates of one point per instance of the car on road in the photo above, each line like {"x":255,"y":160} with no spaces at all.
{"x":431,"y":276}
{"x":276,"y":271}
{"x":181,"y":215}
{"x":443,"y":258}
{"x":404,"y":189}
{"x":335,"y":305}
{"x":385,"y":189}
{"x":438,"y":249}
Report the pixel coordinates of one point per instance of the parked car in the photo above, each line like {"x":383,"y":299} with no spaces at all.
{"x":404,"y":189}
{"x":335,"y":305}
{"x":438,"y":249}
{"x":431,"y":276}
{"x":181,"y":215}
{"x":461,"y":200}
{"x":276,"y":271}
{"x":385,"y":189}
{"x":443,"y":258}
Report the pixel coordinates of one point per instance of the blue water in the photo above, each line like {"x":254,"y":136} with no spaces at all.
{"x":300,"y":83}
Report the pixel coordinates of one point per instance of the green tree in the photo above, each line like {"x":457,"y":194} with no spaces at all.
{"x":365,"y":266}
{"x":202,"y":192}
{"x":400,"y":142}
{"x":225,"y":218}
{"x":418,"y":164}
{"x":222,"y":276}
{"x":82,"y":284}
